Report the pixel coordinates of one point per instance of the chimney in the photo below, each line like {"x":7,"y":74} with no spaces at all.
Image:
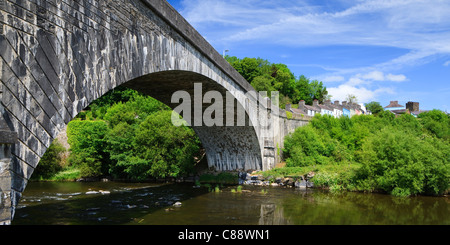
{"x":344,"y":103}
{"x":327,"y":102}
{"x":301,"y":105}
{"x":336,"y":102}
{"x":316,"y":103}
{"x":288,"y":107}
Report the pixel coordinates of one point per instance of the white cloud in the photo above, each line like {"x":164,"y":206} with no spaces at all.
{"x":418,"y":26}
{"x":374,"y":75}
{"x":355,"y":81}
{"x":364,"y":95}
{"x":416,"y":30}
{"x":332,"y":78}
{"x":395,"y":78}
{"x":410,"y":24}
{"x":380,"y":76}
{"x":366,"y":86}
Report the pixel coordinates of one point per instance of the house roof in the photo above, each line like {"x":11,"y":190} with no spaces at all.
{"x":298,"y":111}
{"x":401,"y":111}
{"x":393,"y":104}
{"x":325,"y":107}
{"x":313,"y":108}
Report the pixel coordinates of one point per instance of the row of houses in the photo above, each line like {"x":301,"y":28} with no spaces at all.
{"x":350,"y":109}
{"x":327,"y":108}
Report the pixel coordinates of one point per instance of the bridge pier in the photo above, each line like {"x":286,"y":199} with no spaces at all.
{"x":8,"y":196}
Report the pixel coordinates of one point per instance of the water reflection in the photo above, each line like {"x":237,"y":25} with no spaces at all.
{"x":124,"y":203}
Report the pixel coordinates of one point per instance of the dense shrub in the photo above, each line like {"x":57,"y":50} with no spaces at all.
{"x":50,"y":162}
{"x":400,"y":155}
{"x":154,"y":148}
{"x":131,"y":139}
{"x":87,"y":146}
{"x":436,"y":123}
{"x":404,"y":164}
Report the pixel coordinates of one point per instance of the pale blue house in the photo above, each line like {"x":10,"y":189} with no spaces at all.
{"x":346,"y":112}
{"x":394,"y":106}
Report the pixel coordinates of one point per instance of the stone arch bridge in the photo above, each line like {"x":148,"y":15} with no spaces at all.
{"x":57,"y":56}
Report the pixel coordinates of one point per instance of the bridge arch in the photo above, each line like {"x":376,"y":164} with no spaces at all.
{"x":59,"y":56}
{"x":228,"y":146}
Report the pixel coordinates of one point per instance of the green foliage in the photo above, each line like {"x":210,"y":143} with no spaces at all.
{"x":159,"y":149}
{"x":374,"y":107}
{"x":70,"y":173}
{"x":289,"y":115}
{"x":405,"y":164}
{"x":87,"y":146}
{"x":50,"y":163}
{"x":134,"y":139}
{"x":436,"y":123}
{"x":400,"y":155}
{"x":265,"y":76}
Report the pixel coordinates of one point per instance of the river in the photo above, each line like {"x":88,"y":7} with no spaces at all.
{"x":109,"y":203}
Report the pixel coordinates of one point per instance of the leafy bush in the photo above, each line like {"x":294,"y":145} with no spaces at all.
{"x":87,"y":146}
{"x":154,"y":148}
{"x":305,"y":147}
{"x":134,"y":139}
{"x":404,"y":164}
{"x":50,"y":162}
{"x":400,"y":155}
{"x":436,"y":123}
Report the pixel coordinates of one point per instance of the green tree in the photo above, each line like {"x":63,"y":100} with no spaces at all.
{"x":318,"y":91}
{"x":285,"y":80}
{"x":249,"y":68}
{"x":374,"y":107}
{"x":351,"y":98}
{"x":87,"y":146}
{"x":264,"y":83}
{"x":159,"y":149}
{"x":403,"y":164}
{"x":436,"y":123}
{"x":302,"y":91}
{"x":265,"y":76}
{"x":399,"y":155}
{"x":50,"y":162}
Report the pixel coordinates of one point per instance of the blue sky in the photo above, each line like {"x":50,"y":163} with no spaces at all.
{"x":377,"y":50}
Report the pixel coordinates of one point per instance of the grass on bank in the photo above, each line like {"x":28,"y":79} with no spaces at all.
{"x":66,"y":174}
{"x":333,"y":176}
{"x":69,"y":174}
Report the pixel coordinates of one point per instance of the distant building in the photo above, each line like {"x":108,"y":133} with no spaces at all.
{"x":306,"y":109}
{"x":410,"y":108}
{"x":324,"y":110}
{"x":394,"y":106}
{"x":336,"y":108}
{"x":345,"y":109}
{"x":327,"y":108}
{"x":413,"y":108}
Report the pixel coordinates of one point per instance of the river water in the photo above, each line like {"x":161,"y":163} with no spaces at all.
{"x":106,"y":203}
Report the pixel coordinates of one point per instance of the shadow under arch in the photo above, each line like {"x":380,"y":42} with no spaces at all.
{"x":227,"y":148}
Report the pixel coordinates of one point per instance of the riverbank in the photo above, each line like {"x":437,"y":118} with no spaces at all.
{"x":335,"y":178}
{"x":332,"y":177}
